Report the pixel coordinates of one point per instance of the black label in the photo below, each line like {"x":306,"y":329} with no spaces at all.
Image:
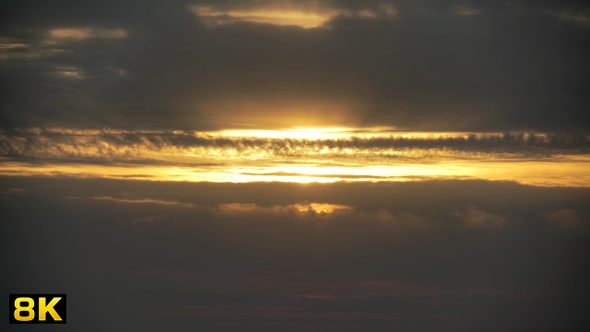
{"x":37,"y":308}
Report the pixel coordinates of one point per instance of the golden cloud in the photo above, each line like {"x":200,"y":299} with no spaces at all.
{"x":305,"y":15}
{"x":63,"y":34}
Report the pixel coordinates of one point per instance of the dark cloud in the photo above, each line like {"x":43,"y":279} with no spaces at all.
{"x":441,"y":65}
{"x":156,"y":147}
{"x":456,"y":255}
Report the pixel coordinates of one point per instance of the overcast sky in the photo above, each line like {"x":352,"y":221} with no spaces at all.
{"x":297,"y":165}
{"x":426,"y":65}
{"x":444,"y":256}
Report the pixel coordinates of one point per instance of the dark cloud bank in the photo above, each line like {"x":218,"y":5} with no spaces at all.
{"x":130,"y":146}
{"x":432,"y":65}
{"x":444,"y":256}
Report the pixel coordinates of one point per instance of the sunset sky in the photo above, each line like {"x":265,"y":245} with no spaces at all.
{"x":329,"y":165}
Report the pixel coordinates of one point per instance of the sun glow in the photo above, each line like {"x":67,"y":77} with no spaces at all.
{"x":298,"y":154}
{"x":321,"y":208}
{"x":308,"y":133}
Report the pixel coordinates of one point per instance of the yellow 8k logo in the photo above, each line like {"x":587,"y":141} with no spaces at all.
{"x":38,"y":308}
{"x":20,"y":308}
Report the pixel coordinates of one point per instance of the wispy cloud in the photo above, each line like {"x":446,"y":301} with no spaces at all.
{"x":43,"y":43}
{"x":299,"y":210}
{"x":580,"y":18}
{"x":83,"y":33}
{"x":137,"y":200}
{"x":287,"y":13}
{"x":14,"y":48}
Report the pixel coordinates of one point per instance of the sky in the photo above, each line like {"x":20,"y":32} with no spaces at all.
{"x":297,"y":165}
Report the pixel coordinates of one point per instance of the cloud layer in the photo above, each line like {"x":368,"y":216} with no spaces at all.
{"x":299,"y":156}
{"x":113,"y":145}
{"x":429,"y":65}
{"x":458,"y":256}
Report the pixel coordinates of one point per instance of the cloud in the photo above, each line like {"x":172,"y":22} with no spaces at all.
{"x":580,"y":18}
{"x":137,"y":201}
{"x":18,"y":49}
{"x":51,"y":42}
{"x":568,"y":220}
{"x":320,"y":212}
{"x":69,"y":72}
{"x":476,"y":218}
{"x":375,"y":63}
{"x":302,"y":14}
{"x":256,"y":264}
{"x":348,"y":154}
{"x":213,"y":17}
{"x":59,"y":35}
{"x":121,"y":145}
{"x":187,"y":217}
{"x":306,"y":209}
{"x":466,"y":11}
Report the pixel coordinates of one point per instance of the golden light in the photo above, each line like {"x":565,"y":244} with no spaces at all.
{"x":303,"y":14}
{"x":297,"y":209}
{"x":308,"y":133}
{"x":297,"y":155}
{"x":306,"y":18}
{"x":322,"y":208}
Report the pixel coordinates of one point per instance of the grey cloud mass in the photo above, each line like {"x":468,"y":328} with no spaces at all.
{"x":433,"y":65}
{"x":450,"y":256}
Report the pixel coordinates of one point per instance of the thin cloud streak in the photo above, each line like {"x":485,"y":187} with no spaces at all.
{"x":137,"y":201}
{"x":110,"y":145}
{"x":50,"y":42}
{"x":64,"y":34}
